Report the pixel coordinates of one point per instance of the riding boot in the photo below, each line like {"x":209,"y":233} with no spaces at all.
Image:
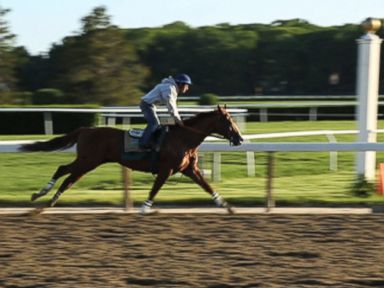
{"x":146,"y":140}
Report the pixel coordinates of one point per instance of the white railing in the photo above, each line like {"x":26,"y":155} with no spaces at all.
{"x":330,"y":134}
{"x":269,"y":147}
{"x":111,"y":113}
{"x":276,"y":97}
{"x":12,"y":146}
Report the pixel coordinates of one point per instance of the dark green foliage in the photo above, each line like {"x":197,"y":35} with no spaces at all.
{"x":208,"y":99}
{"x":97,"y":66}
{"x":66,"y":122}
{"x":14,"y":123}
{"x":16,"y":98}
{"x":8,"y":61}
{"x":107,"y":65}
{"x":48,"y":96}
{"x":362,"y":187}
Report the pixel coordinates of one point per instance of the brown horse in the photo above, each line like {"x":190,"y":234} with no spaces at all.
{"x":178,"y":153}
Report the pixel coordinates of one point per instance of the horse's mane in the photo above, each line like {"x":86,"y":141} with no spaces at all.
{"x":198,"y":117}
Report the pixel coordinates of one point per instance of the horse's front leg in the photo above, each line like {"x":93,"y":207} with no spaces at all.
{"x":194,"y":173}
{"x":162,"y":176}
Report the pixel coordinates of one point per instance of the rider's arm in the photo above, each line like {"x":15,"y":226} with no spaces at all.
{"x":170,"y":95}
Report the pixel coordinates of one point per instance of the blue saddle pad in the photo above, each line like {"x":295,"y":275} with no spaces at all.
{"x":131,"y":143}
{"x":132,"y":137}
{"x":132,"y":152}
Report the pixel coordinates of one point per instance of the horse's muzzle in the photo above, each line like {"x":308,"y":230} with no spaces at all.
{"x":236,"y":140}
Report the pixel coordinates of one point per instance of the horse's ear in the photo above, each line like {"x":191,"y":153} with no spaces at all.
{"x":218,"y":107}
{"x":225,"y":106}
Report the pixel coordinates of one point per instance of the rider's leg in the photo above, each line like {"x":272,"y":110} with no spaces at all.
{"x":153,"y":122}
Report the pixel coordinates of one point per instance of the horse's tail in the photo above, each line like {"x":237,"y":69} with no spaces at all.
{"x":57,"y":143}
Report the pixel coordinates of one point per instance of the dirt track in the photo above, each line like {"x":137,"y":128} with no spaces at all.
{"x":192,"y":251}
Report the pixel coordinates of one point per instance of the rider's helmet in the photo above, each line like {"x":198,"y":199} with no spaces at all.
{"x":183,"y":79}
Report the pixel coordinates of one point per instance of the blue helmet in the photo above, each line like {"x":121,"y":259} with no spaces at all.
{"x":183,"y":79}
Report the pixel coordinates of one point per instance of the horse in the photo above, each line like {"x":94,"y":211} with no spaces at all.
{"x":178,"y":153}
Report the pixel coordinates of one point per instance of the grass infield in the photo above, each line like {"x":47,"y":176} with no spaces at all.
{"x":301,"y":179}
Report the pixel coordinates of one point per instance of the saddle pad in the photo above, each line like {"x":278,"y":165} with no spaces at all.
{"x":131,"y":144}
{"x":132,"y":152}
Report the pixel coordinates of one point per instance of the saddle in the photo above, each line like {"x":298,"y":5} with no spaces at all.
{"x":132,"y":151}
{"x":132,"y":137}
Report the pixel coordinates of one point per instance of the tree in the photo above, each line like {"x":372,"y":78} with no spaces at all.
{"x":97,"y":20}
{"x":107,"y":65}
{"x":99,"y":65}
{"x":7,"y":79}
{"x":216,"y":57}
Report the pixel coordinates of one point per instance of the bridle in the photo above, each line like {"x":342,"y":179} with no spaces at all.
{"x":228,"y":137}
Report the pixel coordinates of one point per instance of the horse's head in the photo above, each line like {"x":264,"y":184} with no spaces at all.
{"x":227,"y":127}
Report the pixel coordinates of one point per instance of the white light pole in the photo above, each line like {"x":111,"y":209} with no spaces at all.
{"x":368,"y":66}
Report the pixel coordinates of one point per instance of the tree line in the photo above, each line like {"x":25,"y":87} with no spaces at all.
{"x":108,"y":65}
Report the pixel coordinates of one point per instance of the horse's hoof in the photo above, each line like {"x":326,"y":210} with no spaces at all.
{"x":52,"y":203}
{"x":35,"y":211}
{"x":149,"y":212}
{"x":230,"y":210}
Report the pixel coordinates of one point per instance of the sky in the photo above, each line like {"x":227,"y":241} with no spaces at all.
{"x":40,"y":23}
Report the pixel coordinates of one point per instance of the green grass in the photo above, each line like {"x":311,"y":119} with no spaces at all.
{"x":301,"y":179}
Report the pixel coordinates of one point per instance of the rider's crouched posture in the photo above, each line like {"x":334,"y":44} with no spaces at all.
{"x":164,"y":93}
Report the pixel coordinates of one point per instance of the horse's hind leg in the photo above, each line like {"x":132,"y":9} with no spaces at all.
{"x":77,"y":171}
{"x":61,"y":171}
{"x":67,"y":183}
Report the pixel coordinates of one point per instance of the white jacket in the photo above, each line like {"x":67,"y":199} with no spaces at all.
{"x":164,"y":93}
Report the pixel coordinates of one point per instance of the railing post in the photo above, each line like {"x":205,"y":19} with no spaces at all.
{"x":251,"y":164}
{"x":263,"y":115}
{"x":368,"y":93}
{"x":111,"y":121}
{"x":250,"y":155}
{"x":270,"y":167}
{"x":128,"y":202}
{"x":126,"y":122}
{"x":312,"y":113}
{"x":48,"y":125}
{"x":332,"y":154}
{"x":216,"y":167}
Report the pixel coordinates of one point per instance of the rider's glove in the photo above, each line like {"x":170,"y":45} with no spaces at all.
{"x":179,"y":122}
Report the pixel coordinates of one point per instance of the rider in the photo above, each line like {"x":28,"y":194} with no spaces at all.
{"x":163,"y":93}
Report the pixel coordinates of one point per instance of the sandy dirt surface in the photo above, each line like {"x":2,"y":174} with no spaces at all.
{"x":192,"y":251}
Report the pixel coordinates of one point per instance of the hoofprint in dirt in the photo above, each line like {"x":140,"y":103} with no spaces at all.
{"x":205,"y":250}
